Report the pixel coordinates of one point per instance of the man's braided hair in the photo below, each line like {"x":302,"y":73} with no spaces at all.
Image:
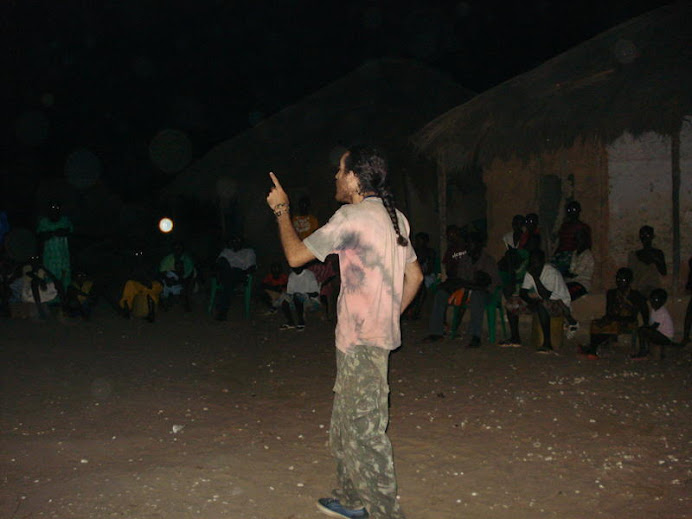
{"x":370,"y":167}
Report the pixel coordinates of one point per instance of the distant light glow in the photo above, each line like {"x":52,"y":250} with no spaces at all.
{"x":165,"y":225}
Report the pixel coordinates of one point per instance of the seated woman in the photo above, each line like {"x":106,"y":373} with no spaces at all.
{"x":141,"y":282}
{"x":623,"y":306}
{"x":233,"y":266}
{"x":34,"y":283}
{"x":178,"y":274}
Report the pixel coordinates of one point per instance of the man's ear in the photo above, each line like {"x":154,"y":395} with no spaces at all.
{"x":356,"y":181}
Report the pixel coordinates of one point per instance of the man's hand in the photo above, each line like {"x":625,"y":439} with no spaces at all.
{"x":295,"y":250}
{"x":277,"y":195}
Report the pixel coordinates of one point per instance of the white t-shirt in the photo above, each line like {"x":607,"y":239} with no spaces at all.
{"x":508,"y":240}
{"x":303,"y":283}
{"x":372,"y":267}
{"x":553,"y":281}
{"x":582,"y":265}
{"x":241,"y":259}
{"x":664,"y":320}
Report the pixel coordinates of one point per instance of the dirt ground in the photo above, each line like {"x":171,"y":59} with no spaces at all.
{"x":190,"y":417}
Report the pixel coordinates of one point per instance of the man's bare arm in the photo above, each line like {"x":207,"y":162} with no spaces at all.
{"x":297,"y":254}
{"x":413,"y":276}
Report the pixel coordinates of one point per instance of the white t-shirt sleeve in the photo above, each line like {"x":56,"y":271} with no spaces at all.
{"x":528,"y":283}
{"x":325,"y":240}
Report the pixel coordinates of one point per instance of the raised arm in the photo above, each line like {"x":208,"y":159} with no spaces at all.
{"x":297,"y":254}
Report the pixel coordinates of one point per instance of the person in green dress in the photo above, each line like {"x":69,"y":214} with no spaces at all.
{"x":53,"y":231}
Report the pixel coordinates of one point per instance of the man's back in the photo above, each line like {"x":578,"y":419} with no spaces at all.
{"x":372,"y":267}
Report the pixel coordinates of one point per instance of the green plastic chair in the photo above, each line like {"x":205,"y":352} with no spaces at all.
{"x":491,"y":309}
{"x":216,"y":287}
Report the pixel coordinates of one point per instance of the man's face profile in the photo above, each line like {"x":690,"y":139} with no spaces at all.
{"x":346,"y":182}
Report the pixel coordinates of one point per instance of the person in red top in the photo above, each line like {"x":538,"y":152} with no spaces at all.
{"x":457,"y":250}
{"x":567,"y":236}
{"x":304,"y":221}
{"x":274,"y":285}
{"x":531,"y":239}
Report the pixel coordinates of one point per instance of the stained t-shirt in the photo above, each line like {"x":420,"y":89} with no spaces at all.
{"x":372,"y":268}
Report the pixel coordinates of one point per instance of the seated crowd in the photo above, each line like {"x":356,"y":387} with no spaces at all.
{"x":525,"y":280}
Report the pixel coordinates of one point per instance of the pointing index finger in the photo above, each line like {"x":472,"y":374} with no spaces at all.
{"x":275,"y":180}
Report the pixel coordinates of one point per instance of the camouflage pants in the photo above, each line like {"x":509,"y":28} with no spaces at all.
{"x":357,"y":435}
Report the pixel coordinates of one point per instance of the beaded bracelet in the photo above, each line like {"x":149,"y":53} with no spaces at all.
{"x":278,"y":212}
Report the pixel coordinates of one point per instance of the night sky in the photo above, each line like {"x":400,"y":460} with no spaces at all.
{"x":103,"y":78}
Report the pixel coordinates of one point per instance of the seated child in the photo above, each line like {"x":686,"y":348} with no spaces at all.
{"x":302,"y":290}
{"x":80,"y":296}
{"x":274,"y":286}
{"x":659,"y":332}
{"x":623,"y":306}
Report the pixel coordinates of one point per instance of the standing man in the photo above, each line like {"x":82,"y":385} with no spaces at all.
{"x":567,"y":236}
{"x":379,"y":278}
{"x":648,"y":263}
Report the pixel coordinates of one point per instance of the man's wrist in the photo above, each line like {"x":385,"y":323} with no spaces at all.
{"x":281,"y":209}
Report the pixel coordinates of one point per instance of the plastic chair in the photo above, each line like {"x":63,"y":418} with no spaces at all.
{"x":491,"y":310}
{"x":437,"y":270}
{"x":215,"y":287}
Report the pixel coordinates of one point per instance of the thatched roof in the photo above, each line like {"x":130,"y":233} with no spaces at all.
{"x":636,"y":77}
{"x":383,"y":101}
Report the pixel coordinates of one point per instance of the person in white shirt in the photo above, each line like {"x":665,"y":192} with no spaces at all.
{"x":660,"y":330}
{"x":581,"y":267}
{"x":233,"y":265}
{"x":302,"y":290}
{"x":512,"y":239}
{"x":543,"y":292}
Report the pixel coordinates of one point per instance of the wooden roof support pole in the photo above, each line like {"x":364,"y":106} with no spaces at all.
{"x":675,"y":171}
{"x":442,"y":207}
